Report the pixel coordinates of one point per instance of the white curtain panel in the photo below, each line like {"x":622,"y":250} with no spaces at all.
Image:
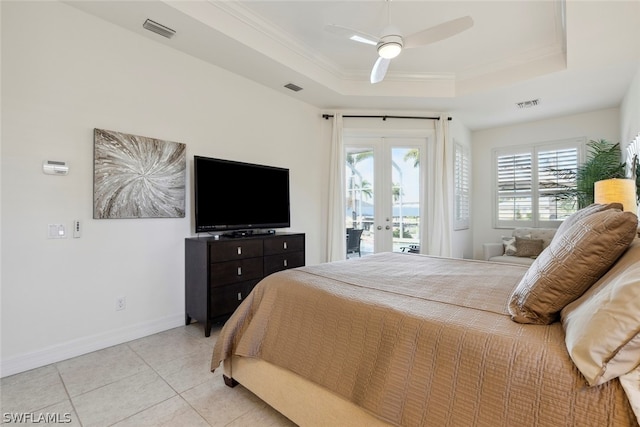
{"x":436,"y":236}
{"x":336,"y":232}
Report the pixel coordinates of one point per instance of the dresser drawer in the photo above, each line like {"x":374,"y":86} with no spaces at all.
{"x":273,"y":263}
{"x":235,"y":249}
{"x":224,"y":273}
{"x":283,"y":244}
{"x":227,"y":298}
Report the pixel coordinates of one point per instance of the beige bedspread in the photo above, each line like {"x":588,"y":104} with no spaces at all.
{"x":420,"y":341}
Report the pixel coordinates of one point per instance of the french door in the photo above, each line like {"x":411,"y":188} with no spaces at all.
{"x":384,"y":194}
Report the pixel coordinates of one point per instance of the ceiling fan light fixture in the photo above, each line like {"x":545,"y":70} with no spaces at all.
{"x":389,"y":50}
{"x":390,"y":46}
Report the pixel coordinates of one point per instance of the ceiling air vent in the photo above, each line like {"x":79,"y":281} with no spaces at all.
{"x":293,"y":87}
{"x":158,"y":28}
{"x":528,"y":104}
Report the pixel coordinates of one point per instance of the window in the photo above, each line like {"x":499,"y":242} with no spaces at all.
{"x":535,"y":184}
{"x":461,"y":187}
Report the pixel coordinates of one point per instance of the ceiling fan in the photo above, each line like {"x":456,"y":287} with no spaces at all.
{"x":391,"y":43}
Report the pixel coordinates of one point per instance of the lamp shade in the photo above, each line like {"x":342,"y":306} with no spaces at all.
{"x":617,"y":190}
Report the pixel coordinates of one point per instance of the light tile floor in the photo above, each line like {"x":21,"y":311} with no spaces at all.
{"x":159,"y":380}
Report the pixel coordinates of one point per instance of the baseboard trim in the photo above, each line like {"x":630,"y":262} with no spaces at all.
{"x":84,"y":345}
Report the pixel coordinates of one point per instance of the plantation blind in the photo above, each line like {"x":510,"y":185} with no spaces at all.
{"x":556,"y":175}
{"x":462,"y":187}
{"x":535,"y":185}
{"x":515,"y":184}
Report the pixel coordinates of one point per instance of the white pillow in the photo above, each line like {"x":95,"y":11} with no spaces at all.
{"x":509,"y":244}
{"x":602,"y":327}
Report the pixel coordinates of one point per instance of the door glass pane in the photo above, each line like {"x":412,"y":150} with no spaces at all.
{"x":405,"y":198}
{"x":359,"y":179}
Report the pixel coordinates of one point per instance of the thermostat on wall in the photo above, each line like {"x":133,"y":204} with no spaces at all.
{"x":52,"y":167}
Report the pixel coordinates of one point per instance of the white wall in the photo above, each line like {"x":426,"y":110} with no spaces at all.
{"x":65,"y":73}
{"x":462,"y":244}
{"x":630,"y":113}
{"x":603,"y":124}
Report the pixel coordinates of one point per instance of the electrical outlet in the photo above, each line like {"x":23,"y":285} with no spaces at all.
{"x":121,"y":303}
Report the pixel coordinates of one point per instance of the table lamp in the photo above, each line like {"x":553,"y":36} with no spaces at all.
{"x":618,"y":190}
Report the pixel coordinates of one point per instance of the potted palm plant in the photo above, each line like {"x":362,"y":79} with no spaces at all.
{"x":603,"y":162}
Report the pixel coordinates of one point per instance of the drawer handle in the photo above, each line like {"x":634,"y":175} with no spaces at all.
{"x":285,"y":262}
{"x":239,"y":271}
{"x":285,"y":245}
{"x":239,"y":296}
{"x":239,"y":250}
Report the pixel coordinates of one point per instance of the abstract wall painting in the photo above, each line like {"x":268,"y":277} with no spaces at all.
{"x":137,"y":177}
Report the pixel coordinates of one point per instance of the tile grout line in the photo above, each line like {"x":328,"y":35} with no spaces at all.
{"x":64,"y":385}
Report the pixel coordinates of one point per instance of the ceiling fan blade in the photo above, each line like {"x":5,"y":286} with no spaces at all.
{"x":439,"y":32}
{"x":350,"y":33}
{"x":379,"y":69}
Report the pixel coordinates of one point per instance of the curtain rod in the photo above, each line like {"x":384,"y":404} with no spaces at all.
{"x":327,"y":116}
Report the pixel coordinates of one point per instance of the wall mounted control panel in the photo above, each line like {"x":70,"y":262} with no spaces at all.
{"x":56,"y":231}
{"x":54,"y":167}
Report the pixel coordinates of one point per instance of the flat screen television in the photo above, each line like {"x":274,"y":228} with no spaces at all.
{"x":232,"y":195}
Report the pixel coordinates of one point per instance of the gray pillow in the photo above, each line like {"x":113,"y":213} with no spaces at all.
{"x":528,"y":247}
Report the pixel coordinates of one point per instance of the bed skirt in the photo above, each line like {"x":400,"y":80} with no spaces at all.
{"x":303,"y":402}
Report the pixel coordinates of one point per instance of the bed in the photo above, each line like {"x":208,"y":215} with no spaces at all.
{"x":415,"y":340}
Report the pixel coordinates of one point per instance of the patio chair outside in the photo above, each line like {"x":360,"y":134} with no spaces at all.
{"x":353,"y":241}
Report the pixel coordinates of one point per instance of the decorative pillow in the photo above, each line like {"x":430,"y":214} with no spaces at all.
{"x":570,"y":265}
{"x":602,"y":327}
{"x":584,"y":212}
{"x":528,"y":247}
{"x":509,"y":244}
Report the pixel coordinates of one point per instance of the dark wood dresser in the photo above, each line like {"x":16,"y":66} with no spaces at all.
{"x":220,"y":272}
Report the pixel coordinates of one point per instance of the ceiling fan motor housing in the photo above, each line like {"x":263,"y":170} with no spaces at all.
{"x":390,"y":46}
